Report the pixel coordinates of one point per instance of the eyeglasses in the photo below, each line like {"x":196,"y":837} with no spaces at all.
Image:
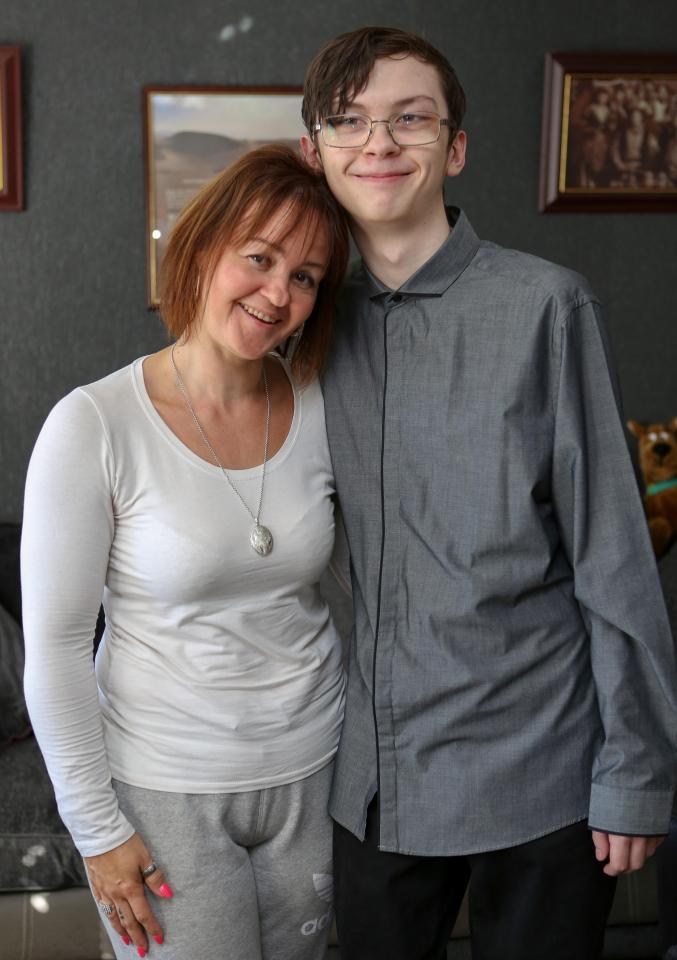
{"x":406,"y":129}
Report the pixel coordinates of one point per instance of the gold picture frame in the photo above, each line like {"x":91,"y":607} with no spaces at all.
{"x":609,"y":139}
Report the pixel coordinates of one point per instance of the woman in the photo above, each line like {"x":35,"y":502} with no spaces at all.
{"x":192,"y":491}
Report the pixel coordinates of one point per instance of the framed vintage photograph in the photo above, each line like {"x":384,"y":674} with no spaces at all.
{"x":609,"y":139}
{"x":191,"y":134}
{"x":11,"y":162}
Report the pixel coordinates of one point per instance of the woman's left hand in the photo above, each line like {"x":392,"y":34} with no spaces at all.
{"x":116,"y":878}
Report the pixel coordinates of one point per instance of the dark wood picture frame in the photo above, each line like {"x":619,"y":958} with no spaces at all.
{"x":594,"y":155}
{"x":11,"y":161}
{"x":188,"y":154}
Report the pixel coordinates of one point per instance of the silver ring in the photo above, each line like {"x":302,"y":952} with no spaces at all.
{"x":108,"y":909}
{"x":149,"y":871}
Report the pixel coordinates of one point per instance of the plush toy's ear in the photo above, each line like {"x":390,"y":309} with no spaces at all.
{"x":673,"y":424}
{"x":636,"y":428}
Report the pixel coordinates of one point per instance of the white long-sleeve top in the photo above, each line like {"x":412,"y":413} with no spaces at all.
{"x":219,"y":670}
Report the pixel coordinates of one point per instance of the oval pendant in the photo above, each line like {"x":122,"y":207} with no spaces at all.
{"x":261,"y":539}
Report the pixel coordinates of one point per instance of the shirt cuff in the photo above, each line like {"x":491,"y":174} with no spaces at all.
{"x":632,"y":813}
{"x":91,"y":846}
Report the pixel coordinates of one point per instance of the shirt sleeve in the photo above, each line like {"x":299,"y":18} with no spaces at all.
{"x":67,"y":533}
{"x":605,"y":535}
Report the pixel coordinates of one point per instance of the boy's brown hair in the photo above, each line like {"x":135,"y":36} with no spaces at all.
{"x":232,"y":209}
{"x":341,"y":70}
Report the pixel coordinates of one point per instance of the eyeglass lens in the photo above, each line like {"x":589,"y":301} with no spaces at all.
{"x":352,"y":130}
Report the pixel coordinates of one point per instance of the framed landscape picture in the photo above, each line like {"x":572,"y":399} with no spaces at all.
{"x":191,"y":134}
{"x":11,"y":163}
{"x":609,"y":139}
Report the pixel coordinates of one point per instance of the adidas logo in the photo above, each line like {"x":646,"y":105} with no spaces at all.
{"x":324,"y":888}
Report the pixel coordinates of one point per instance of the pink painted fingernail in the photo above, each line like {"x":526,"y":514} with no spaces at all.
{"x":141,"y":952}
{"x":126,"y":941}
{"x":159,"y":939}
{"x":166,"y":891}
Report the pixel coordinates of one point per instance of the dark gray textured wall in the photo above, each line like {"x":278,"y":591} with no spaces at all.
{"x":72,"y":265}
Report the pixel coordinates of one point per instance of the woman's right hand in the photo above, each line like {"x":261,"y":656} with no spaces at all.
{"x":116,"y":878}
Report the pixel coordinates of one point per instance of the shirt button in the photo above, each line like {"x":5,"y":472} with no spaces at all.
{"x":397,"y":298}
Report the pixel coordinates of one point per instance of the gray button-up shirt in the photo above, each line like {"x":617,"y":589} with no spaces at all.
{"x":512,"y":669}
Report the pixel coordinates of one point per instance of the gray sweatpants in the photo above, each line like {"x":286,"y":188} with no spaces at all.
{"x":251,"y":872}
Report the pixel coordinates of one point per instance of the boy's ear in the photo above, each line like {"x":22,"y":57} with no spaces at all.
{"x":310,"y":153}
{"x":456,"y":158}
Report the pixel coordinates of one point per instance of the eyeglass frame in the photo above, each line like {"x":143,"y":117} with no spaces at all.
{"x":317,"y":128}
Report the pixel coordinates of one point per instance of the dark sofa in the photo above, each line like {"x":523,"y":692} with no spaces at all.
{"x":36,"y":853}
{"x":46,"y":910}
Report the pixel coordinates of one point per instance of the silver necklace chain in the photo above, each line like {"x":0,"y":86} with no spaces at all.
{"x":260,"y":538}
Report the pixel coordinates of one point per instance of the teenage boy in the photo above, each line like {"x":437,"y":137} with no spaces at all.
{"x":512,"y":677}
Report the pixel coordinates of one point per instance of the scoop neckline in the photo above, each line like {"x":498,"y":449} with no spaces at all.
{"x":165,"y":430}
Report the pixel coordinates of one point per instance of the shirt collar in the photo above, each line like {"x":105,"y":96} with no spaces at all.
{"x":439,"y":272}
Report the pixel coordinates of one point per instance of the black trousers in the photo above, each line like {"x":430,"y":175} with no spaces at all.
{"x":543,"y":900}
{"x":666,"y":863}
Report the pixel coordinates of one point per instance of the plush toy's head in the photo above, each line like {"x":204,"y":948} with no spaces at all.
{"x":657,"y":450}
{"x":658,"y":460}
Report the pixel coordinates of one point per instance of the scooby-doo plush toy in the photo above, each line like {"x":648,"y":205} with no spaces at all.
{"x":658,"y":462}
